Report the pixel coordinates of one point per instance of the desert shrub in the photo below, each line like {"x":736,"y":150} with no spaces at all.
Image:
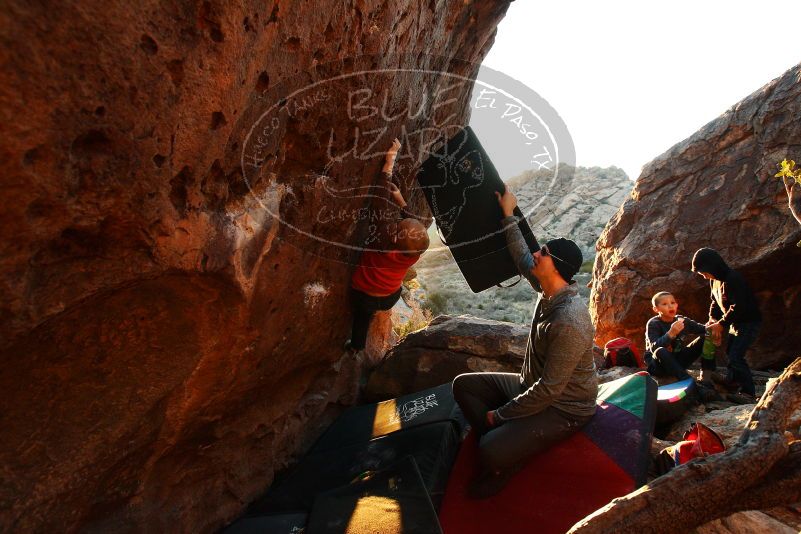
{"x":436,"y":303}
{"x":412,"y":284}
{"x":417,"y":320}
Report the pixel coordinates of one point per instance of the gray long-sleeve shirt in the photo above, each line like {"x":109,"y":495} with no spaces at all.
{"x":558,"y":369}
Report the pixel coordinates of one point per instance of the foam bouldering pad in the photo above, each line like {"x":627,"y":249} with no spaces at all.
{"x":433,"y":447}
{"x":608,"y":458}
{"x":272,"y":524}
{"x":673,"y":400}
{"x":459,"y":182}
{"x":391,"y":501}
{"x":360,"y":424}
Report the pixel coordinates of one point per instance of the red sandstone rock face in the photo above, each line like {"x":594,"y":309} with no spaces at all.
{"x":715,"y":189}
{"x":166,"y":343}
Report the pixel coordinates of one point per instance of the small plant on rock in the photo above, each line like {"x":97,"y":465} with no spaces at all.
{"x":436,"y":303}
{"x":787,"y":170}
{"x":417,"y":320}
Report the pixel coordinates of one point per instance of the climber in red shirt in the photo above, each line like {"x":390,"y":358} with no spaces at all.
{"x":376,"y":283}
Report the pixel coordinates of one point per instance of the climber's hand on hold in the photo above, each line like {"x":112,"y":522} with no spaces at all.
{"x":389,"y":159}
{"x":397,"y":196}
{"x":394,"y":148}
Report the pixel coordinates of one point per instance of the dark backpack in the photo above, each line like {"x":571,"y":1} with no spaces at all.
{"x":622,"y":352}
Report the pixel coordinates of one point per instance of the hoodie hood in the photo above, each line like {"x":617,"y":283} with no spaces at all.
{"x":707,"y":260}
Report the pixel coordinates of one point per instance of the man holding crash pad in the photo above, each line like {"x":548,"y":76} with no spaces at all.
{"x":518,"y":415}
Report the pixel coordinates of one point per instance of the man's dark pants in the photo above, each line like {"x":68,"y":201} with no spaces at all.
{"x":506,"y":447}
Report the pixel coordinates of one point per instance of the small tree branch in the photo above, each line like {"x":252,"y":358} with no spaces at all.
{"x":777,"y":404}
{"x":780,"y":487}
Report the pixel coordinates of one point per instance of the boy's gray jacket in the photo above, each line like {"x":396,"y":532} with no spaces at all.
{"x":558,"y":369}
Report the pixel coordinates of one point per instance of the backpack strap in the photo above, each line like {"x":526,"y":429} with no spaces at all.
{"x":519,"y":277}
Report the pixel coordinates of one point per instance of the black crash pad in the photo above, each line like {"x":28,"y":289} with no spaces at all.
{"x":433,"y":447}
{"x":673,"y":400}
{"x":360,"y":424}
{"x":459,"y":182}
{"x":269,"y":524}
{"x":392,"y":501}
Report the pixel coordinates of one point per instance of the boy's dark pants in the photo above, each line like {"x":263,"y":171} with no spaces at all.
{"x":364,"y":307}
{"x":506,"y":447}
{"x":740,"y":338}
{"x":666,"y":363}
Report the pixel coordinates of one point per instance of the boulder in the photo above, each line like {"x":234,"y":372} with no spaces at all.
{"x":750,"y":522}
{"x":170,"y":333}
{"x":715,"y":189}
{"x":472,"y":335}
{"x":794,"y":421}
{"x":577,"y":204}
{"x":447,"y":347}
{"x":789,"y":515}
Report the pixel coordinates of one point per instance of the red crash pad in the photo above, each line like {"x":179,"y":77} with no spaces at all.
{"x":608,"y":458}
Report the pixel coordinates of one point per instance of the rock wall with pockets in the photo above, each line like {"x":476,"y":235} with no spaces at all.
{"x":171,"y":324}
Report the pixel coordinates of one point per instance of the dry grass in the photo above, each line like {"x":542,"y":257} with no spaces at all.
{"x":405,"y":323}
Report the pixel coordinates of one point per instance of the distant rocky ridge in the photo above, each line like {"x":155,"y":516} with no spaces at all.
{"x":577,"y":204}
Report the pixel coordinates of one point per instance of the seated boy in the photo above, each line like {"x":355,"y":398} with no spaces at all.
{"x":667,"y":352}
{"x":376,"y":283}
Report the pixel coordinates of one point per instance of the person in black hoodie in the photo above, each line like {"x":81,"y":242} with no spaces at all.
{"x":733,"y":307}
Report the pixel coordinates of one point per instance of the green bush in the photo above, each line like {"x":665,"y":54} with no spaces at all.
{"x":436,"y":303}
